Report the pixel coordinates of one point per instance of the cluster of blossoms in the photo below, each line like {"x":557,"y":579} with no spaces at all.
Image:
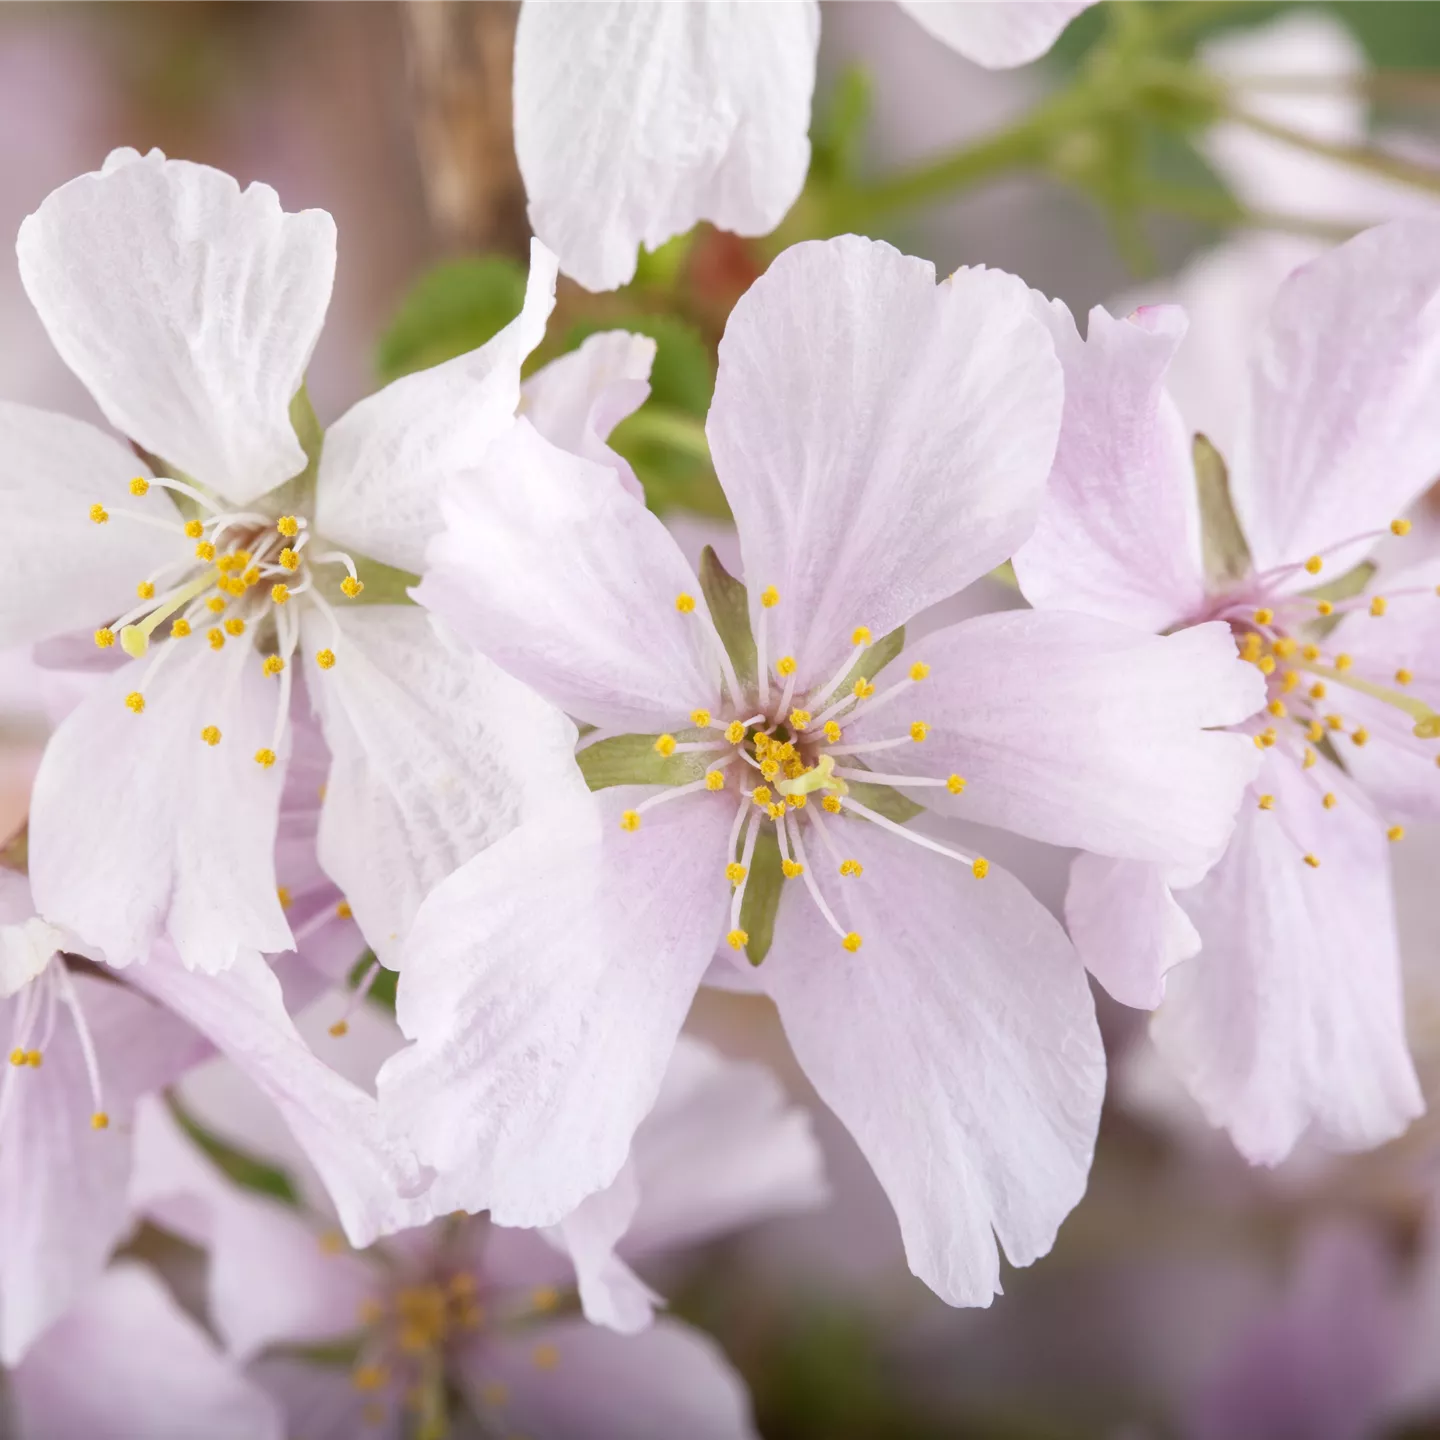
{"x":432,"y":683}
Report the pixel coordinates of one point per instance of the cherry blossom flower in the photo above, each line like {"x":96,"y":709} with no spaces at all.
{"x":241,"y":549}
{"x":1290,"y":1021}
{"x":487,"y":1313}
{"x":883,"y":442}
{"x":633,"y":122}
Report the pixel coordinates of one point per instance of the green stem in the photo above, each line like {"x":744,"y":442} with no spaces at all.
{"x":685,"y":433}
{"x":1217,"y":208}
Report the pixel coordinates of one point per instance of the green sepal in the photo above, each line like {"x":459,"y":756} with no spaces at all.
{"x":873,"y":659}
{"x":730,"y":610}
{"x":243,"y":1168}
{"x":1222,"y":542}
{"x":382,"y":988}
{"x":885,"y":800}
{"x":762,"y":896}
{"x":633,"y":760}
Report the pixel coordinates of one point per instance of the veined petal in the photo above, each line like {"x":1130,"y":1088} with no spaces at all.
{"x":552,"y":569}
{"x":1119,"y":533}
{"x":1339,"y":440}
{"x":188,"y":307}
{"x":387,"y":459}
{"x":545,"y":983}
{"x":1290,"y":1021}
{"x":1078,"y":731}
{"x":883,"y":440}
{"x":139,"y":828}
{"x":59,"y":570}
{"x":632,"y":123}
{"x":437,"y":754}
{"x":321,"y":1402}
{"x":668,"y":1382}
{"x":149,"y":1373}
{"x":579,"y":398}
{"x":960,"y":1049}
{"x":999,"y":34}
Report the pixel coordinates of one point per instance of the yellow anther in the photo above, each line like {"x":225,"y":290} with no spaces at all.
{"x":980,"y":868}
{"x":791,"y":868}
{"x":760,"y":795}
{"x":770,"y":768}
{"x":665,"y":745}
{"x":283,"y":895}
{"x":99,"y":1121}
{"x":1377,"y":605}
{"x":546,"y":1357}
{"x":1335,"y":722}
{"x":1360,"y":736}
{"x":769,"y":597}
{"x":340,"y":1029}
{"x":1395,"y":832}
{"x":862,"y":689}
{"x":799,"y":719}
{"x":1289,"y":679}
{"x":369,"y":1377}
{"x":544,"y":1298}
{"x":852,"y":942}
{"x":289,"y":559}
{"x":832,"y":732}
{"x":1266,"y":664}
{"x":734,"y":873}
{"x":135,"y":701}
{"x":860,"y":635}
{"x":785,"y":665}
{"x":234,"y":626}
{"x":288,"y":526}
{"x":350,"y":587}
{"x":139,"y":485}
{"x":343,"y":910}
{"x":1267,"y":802}
{"x":700,"y":719}
{"x":684,"y":603}
{"x":99,"y":514}
{"x":851,"y":867}
{"x":918,"y":731}
{"x":204,"y":551}
{"x":776,"y":810}
{"x":210,"y":735}
{"x":249,"y":578}
{"x":331,"y":1242}
{"x":215,"y":604}
{"x":145,"y":590}
{"x":796,"y":802}
{"x":955,"y":784}
{"x":630,"y":820}
{"x":279,"y":592}
{"x":1329,"y":800}
{"x":1313,"y":564}
{"x":1312,"y":861}
{"x":1250,"y":646}
{"x":1311,"y":652}
{"x":735,"y":732}
{"x":1264,"y":616}
{"x":1317,"y":690}
{"x":34,"y":1059}
{"x":17,"y":1057}
{"x":919,"y":670}
{"x":1403,"y":677}
{"x":104,"y":637}
{"x":272,"y":665}
{"x":216,"y":636}
{"x":1314,"y":732}
{"x":265,"y":758}
{"x":831,"y":804}
{"x":1285,"y":647}
{"x":714,"y":779}
{"x":1277,"y":709}
{"x":738,"y":939}
{"x":1323,"y":607}
{"x":1399,"y":527}
{"x":1309,"y":760}
{"x":325,"y":659}
{"x":194,"y":529}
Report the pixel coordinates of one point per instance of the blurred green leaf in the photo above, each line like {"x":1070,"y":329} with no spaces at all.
{"x":449,"y":310}
{"x":243,"y":1168}
{"x":683,"y":375}
{"x":382,"y":988}
{"x":837,"y":134}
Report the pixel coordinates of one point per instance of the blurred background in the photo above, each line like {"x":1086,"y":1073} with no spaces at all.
{"x":1189,"y":1295}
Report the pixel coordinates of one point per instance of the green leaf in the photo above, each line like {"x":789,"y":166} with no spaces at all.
{"x":633,"y":760}
{"x":1222,"y":541}
{"x":762,"y":896}
{"x":730,"y":610}
{"x":455,"y":307}
{"x":885,"y":801}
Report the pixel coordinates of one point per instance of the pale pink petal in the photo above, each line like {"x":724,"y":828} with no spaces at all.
{"x":570,"y":1380}
{"x":126,"y":1363}
{"x":1128,"y":927}
{"x":437,"y":754}
{"x":1078,"y":731}
{"x":579,"y":398}
{"x":958,"y":1046}
{"x":188,"y":307}
{"x":550,"y":567}
{"x":63,"y":1204}
{"x":1340,"y":439}
{"x":387,"y":459}
{"x":544,"y":984}
{"x":139,"y":829}
{"x":632,"y":123}
{"x":1119,"y":533}
{"x":883,"y":440}
{"x":320,"y":1402}
{"x":997,"y":34}
{"x":26,"y":941}
{"x":271,"y":1280}
{"x":59,"y":571}
{"x":1290,"y":1021}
